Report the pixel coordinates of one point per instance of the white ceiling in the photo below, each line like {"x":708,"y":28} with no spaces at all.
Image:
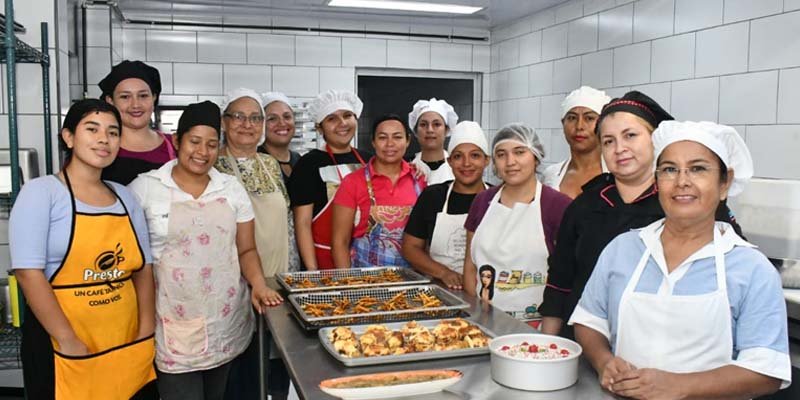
{"x":495,"y":13}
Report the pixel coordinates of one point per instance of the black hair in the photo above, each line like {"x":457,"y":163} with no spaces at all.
{"x":491,"y":269}
{"x":75,"y":115}
{"x":390,"y":117}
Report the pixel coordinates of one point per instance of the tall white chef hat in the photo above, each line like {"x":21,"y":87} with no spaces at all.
{"x":722,"y":140}
{"x":468,"y":132}
{"x":237,"y":94}
{"x":440,"y":107}
{"x":331,"y":101}
{"x":585,"y":96}
{"x":521,"y":133}
{"x":269,"y":97}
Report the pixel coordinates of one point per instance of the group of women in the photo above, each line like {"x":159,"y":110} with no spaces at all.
{"x":629,"y":241}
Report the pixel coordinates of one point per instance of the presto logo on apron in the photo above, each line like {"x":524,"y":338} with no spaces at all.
{"x":94,"y":289}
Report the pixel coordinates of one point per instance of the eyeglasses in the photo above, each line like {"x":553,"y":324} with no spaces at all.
{"x":693,"y":172}
{"x":240,"y":118}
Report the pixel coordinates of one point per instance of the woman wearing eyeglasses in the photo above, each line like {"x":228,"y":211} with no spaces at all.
{"x":684,"y":307}
{"x":612,"y":203}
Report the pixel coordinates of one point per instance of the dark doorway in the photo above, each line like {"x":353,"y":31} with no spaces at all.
{"x":389,"y":94}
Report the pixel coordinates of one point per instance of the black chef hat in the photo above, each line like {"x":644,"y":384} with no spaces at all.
{"x":131,"y":69}
{"x":205,"y":113}
{"x":638,"y":104}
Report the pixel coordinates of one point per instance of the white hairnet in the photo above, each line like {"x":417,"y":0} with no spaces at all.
{"x":722,"y":140}
{"x":440,"y":107}
{"x":269,"y":97}
{"x":329,"y":102}
{"x":237,"y":94}
{"x":521,"y":133}
{"x":585,"y":96}
{"x":468,"y":132}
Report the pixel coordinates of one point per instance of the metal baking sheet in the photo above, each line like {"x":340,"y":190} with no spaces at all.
{"x":410,"y":277}
{"x":451,"y":306}
{"x":421,"y":356}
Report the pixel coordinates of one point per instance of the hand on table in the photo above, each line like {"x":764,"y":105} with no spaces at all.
{"x":453,"y":280}
{"x":649,"y":384}
{"x":263,"y":297}
{"x":613,"y":372}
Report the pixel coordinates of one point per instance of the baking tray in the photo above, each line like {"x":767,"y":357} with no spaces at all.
{"x":422,"y":356}
{"x":409,"y":276}
{"x":452,"y":306}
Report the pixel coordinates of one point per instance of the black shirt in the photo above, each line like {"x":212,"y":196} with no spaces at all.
{"x":593,"y":219}
{"x":430,"y":202}
{"x":306,"y":185}
{"x":294,"y":157}
{"x":434,"y":165}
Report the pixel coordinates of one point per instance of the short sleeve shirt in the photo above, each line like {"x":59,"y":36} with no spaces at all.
{"x":422,"y":220}
{"x":40,"y":224}
{"x":315,"y":176}
{"x":129,"y":164}
{"x":156,"y":191}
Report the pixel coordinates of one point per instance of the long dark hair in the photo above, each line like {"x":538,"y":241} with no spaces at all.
{"x":76,"y":113}
{"x":491,"y":269}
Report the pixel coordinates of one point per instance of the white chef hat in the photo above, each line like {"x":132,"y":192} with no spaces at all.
{"x":329,"y":102}
{"x":468,"y":132}
{"x":440,"y":107}
{"x":722,"y":140}
{"x":269,"y":97}
{"x":585,"y":96}
{"x":521,"y":133}
{"x":237,"y":94}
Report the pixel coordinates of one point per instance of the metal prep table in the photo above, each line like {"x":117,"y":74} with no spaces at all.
{"x":308,"y":363}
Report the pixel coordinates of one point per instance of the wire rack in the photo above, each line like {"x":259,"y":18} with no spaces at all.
{"x":307,"y":281}
{"x":10,"y":339}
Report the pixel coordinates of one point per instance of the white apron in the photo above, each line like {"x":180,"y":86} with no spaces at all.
{"x":511,"y":242}
{"x":675,"y":333}
{"x":272,"y":224}
{"x":449,"y":239}
{"x":439,"y":175}
{"x":203,"y":313}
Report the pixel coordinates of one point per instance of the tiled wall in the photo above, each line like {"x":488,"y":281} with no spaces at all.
{"x":732,"y":61}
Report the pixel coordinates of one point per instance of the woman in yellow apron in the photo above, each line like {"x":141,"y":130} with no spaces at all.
{"x":80,"y":252}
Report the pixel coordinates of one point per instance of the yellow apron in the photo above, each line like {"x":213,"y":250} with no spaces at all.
{"x":93,"y":286}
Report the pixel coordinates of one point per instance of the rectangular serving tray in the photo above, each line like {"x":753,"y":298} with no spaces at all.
{"x":421,"y":356}
{"x":410,"y":277}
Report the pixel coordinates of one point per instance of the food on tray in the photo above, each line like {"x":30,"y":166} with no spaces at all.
{"x":385,"y":276}
{"x":377,"y":340}
{"x":535,"y":351}
{"x":392,"y":378}
{"x":370,"y":304}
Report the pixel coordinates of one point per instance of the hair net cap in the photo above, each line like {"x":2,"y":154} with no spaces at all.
{"x":585,"y":96}
{"x":521,"y":133}
{"x":329,"y":102}
{"x":441,"y":107}
{"x":237,"y":94}
{"x":269,"y":97}
{"x":722,"y":140}
{"x":468,"y":132}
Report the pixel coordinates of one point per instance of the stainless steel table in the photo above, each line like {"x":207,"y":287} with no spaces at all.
{"x":308,"y":363}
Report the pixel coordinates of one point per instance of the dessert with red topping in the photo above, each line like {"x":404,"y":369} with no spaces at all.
{"x":529,"y":351}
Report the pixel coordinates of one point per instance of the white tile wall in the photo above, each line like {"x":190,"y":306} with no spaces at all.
{"x":518,"y":83}
{"x":451,"y":56}
{"x":673,"y":58}
{"x":256,"y":77}
{"x":554,"y":42}
{"x":176,"y":100}
{"x":165,"y":71}
{"x":171,"y":46}
{"x":617,"y":91}
{"x":789,"y":96}
{"x":582,"y":37}
{"x":219,"y":47}
{"x":508,"y":54}
{"x":97,"y":32}
{"x":530,"y":48}
{"x":499,"y":86}
{"x":270,"y":49}
{"x":507,"y":112}
{"x":696,"y":99}
{"x":566,"y":74}
{"x":569,"y":11}
{"x":540,"y":79}
{"x":543,"y":19}
{"x":594,"y":6}
{"x":481,"y":58}
{"x":97,"y":69}
{"x":660,"y":92}
{"x":551,"y":111}
{"x":134,"y":44}
{"x":515,"y":29}
{"x":774,"y":41}
{"x":652,"y":19}
{"x":597,"y":69}
{"x":774,"y":150}
{"x":748,"y":98}
{"x":296,"y":81}
{"x":363,"y":52}
{"x":337,"y":79}
{"x":529,"y":111}
{"x":791,"y":5}
{"x":197,"y":78}
{"x":722,"y":50}
{"x":737,"y":10}
{"x":692,"y":15}
{"x":318,"y":50}
{"x":616,"y":27}
{"x":631,"y":64}
{"x":409,"y":54}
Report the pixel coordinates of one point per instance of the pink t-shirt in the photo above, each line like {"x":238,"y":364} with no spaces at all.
{"x":353,"y":194}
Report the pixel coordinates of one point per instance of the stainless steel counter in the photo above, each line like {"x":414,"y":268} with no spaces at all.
{"x":308,"y":363}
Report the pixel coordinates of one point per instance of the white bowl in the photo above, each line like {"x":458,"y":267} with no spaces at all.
{"x":530,"y":374}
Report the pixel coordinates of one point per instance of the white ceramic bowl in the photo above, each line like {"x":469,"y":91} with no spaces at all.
{"x":535,"y":375}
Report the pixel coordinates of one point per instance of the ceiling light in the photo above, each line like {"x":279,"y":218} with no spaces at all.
{"x":406,"y":6}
